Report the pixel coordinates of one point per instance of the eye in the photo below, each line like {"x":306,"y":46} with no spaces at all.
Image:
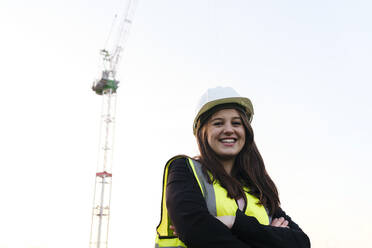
{"x":217,"y":123}
{"x":237,"y":123}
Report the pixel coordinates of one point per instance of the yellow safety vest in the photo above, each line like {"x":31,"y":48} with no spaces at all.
{"x":218,"y":204}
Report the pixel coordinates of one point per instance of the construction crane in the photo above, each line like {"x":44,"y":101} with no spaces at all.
{"x":107,"y":87}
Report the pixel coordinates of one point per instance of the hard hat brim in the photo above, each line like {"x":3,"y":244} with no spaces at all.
{"x":243,"y":101}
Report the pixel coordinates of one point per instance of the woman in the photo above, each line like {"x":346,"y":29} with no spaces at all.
{"x":224,"y":197}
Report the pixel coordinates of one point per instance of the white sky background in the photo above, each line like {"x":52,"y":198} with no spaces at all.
{"x":305,"y":65}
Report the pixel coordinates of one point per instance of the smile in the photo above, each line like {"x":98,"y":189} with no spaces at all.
{"x":228,"y":141}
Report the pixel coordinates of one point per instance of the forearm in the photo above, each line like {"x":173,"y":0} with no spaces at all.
{"x":209,"y":232}
{"x":249,"y":230}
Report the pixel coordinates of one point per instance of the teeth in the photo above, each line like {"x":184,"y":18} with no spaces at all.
{"x":228,"y":141}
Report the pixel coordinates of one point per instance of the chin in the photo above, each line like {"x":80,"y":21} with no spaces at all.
{"x":227,"y":156}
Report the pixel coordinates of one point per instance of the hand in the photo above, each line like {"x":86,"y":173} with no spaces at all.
{"x":174,"y":230}
{"x":280,"y":222}
{"x":228,"y":220}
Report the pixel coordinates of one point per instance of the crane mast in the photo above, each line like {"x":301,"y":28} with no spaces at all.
{"x":107,"y":87}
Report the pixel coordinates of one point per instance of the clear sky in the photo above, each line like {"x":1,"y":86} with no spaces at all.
{"x":306,"y":65}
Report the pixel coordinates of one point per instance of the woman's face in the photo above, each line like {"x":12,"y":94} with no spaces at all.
{"x":226,"y":133}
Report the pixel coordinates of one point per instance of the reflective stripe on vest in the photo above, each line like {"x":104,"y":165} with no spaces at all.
{"x":218,"y":204}
{"x":206,"y":188}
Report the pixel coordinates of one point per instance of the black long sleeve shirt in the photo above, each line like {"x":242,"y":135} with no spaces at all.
{"x":197,"y":228}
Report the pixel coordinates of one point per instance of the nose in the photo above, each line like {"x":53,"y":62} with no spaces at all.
{"x":228,"y":129}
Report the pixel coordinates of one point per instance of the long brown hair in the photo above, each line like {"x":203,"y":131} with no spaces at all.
{"x":248,"y":170}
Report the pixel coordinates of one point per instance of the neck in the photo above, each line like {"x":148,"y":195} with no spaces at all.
{"x":228,"y":165}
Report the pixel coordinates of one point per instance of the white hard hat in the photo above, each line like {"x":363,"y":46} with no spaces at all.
{"x":221,"y":95}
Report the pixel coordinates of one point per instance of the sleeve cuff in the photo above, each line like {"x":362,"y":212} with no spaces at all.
{"x":244,"y":225}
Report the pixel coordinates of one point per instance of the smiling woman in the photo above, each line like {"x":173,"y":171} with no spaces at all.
{"x":224,"y":197}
